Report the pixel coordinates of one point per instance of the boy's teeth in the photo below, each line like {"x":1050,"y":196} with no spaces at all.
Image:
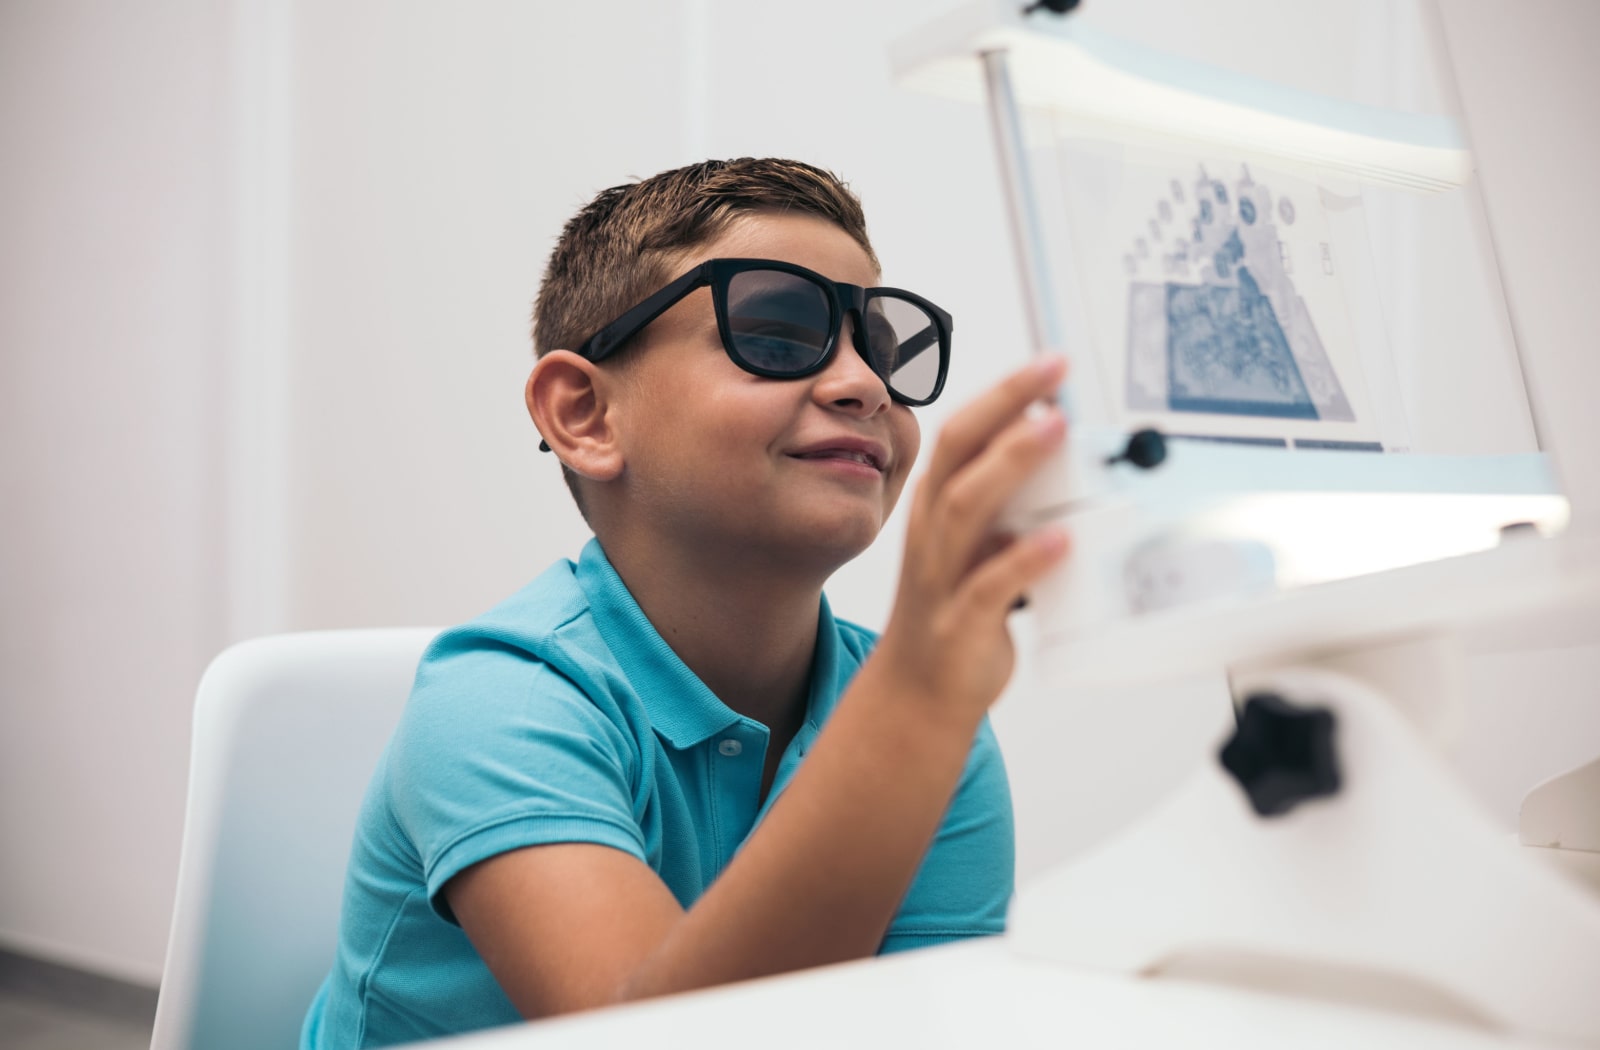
{"x":839,"y":453}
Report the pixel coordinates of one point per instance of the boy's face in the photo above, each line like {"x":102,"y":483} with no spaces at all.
{"x":803,"y":470}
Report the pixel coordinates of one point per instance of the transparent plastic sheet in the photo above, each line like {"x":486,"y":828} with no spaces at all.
{"x":1224,"y":299}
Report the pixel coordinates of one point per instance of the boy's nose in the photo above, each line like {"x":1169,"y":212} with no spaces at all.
{"x":849,"y":381}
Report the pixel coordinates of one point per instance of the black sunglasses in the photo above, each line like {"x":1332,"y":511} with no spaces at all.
{"x":782,"y":321}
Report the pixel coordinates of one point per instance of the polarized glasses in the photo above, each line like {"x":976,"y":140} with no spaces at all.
{"x":783,"y":321}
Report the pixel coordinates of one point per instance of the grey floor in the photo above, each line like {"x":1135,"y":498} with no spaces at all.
{"x":44,"y":1006}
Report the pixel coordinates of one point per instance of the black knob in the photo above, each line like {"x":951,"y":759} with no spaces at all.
{"x":1282,"y":754}
{"x":1145,"y":449}
{"x":1060,"y":7}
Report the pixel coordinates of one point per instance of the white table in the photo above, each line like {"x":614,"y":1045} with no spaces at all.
{"x":978,"y":995}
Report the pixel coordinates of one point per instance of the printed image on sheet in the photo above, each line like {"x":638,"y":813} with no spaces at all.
{"x":1216,"y":297}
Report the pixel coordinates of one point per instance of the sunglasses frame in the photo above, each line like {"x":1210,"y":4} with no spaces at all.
{"x":843,"y":300}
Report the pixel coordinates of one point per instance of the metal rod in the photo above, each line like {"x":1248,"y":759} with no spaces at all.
{"x":1027,"y":236}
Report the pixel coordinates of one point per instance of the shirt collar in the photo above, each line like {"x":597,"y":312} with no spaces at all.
{"x":830,"y":672}
{"x":681,"y":708}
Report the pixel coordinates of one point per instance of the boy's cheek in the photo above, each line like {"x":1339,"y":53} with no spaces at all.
{"x":911,"y":445}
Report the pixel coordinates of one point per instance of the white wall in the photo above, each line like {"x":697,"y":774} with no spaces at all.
{"x":111,"y":289}
{"x":437,"y":151}
{"x":264,"y":318}
{"x":1532,"y":90}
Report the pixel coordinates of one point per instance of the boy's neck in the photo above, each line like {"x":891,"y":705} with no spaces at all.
{"x":750,"y":635}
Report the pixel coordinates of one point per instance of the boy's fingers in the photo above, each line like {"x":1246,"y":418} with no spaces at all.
{"x":964,"y":510}
{"x":971,"y":429}
{"x":995,"y":586}
{"x":991,"y":544}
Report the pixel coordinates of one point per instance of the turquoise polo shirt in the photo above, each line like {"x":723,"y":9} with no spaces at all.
{"x":562,"y":716}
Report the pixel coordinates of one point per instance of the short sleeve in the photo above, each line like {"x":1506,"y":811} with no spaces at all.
{"x":965,"y":883}
{"x":497,"y":750}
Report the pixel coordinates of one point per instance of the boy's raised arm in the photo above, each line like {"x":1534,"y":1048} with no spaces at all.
{"x":573,"y":926}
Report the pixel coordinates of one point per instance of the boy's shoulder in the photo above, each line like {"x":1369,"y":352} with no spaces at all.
{"x":547,"y":622}
{"x":541,"y":608}
{"x":569,"y":595}
{"x":530,"y":617}
{"x":578,"y":620}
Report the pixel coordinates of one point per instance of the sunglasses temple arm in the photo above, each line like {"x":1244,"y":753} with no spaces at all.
{"x":911,"y":348}
{"x":605,"y":342}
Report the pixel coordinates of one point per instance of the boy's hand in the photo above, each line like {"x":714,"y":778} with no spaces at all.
{"x":947,"y":642}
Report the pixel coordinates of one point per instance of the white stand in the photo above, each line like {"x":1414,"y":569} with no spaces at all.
{"x":1397,"y":880}
{"x":1560,"y":822}
{"x":1561,"y":812}
{"x":1397,"y":890}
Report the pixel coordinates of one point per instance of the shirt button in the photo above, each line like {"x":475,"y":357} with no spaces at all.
{"x":730,"y":748}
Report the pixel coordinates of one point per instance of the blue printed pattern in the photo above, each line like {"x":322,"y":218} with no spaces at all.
{"x":1226,"y":332}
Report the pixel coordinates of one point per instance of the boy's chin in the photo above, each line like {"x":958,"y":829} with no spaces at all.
{"x":829,"y":549}
{"x":812,"y":545}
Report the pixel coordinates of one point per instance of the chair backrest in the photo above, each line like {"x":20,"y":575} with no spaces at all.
{"x":287,"y":731}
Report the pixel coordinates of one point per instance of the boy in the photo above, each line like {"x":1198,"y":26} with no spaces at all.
{"x":596,"y":792}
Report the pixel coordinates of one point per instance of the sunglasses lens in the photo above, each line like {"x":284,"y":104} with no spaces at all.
{"x":778,"y":321}
{"x":904,"y":342}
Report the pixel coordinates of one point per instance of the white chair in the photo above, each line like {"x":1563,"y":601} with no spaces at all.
{"x":287,"y":731}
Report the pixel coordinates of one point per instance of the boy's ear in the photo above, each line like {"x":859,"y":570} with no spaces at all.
{"x":566,"y":397}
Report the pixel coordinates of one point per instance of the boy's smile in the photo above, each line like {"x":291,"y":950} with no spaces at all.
{"x":731,"y":464}
{"x":855,"y":456}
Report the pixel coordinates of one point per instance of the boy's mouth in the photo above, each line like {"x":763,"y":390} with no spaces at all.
{"x":854,"y":451}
